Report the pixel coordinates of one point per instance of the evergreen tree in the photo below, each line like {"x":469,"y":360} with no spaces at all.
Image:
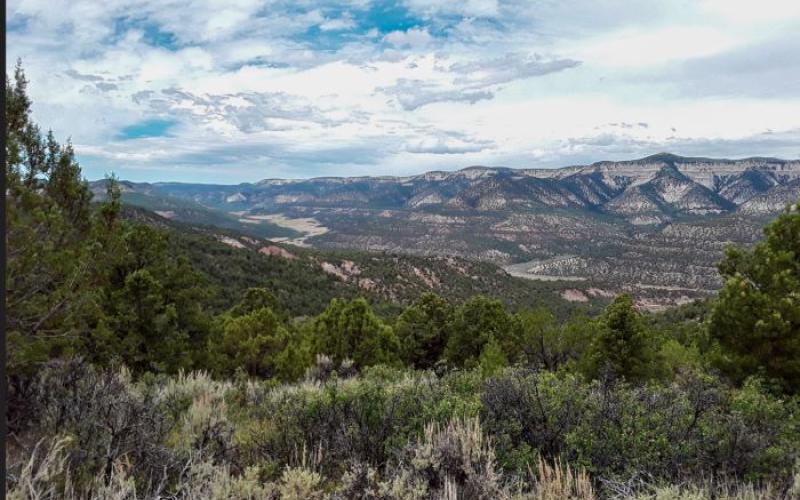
{"x":51,"y":252}
{"x":153,"y":303}
{"x":352,"y":330}
{"x":65,"y":186}
{"x":476,"y":321}
{"x":622,"y":344}
{"x":423,"y":329}
{"x":542,"y":338}
{"x":756,"y":318}
{"x":492,"y":358}
{"x":147,"y":325}
{"x":251,"y":341}
{"x":255,"y":299}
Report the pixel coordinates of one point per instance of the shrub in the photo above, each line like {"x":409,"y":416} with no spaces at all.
{"x":298,"y":483}
{"x":324,"y":369}
{"x":529,"y":413}
{"x":455,"y":459}
{"x":208,"y":481}
{"x":108,"y":419}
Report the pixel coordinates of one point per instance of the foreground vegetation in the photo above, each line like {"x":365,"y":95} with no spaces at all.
{"x":130,"y":377}
{"x":391,"y":433}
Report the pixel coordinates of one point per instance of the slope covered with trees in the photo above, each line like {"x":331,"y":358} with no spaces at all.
{"x":133,"y":372}
{"x":305,"y":280}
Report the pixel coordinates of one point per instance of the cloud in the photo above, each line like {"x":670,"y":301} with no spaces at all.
{"x":413,"y":94}
{"x":338,"y":24}
{"x":80,"y":76}
{"x":626,"y":125}
{"x":248,"y":112}
{"x":511,"y":66}
{"x":770,"y":68}
{"x":438,"y":147}
{"x":447,"y":143}
{"x":466,"y":8}
{"x":413,"y":37}
{"x":472,"y":80}
{"x":783,"y":144}
{"x":105,"y":87}
{"x":264,"y":88}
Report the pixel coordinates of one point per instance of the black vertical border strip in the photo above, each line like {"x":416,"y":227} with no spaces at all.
{"x":3,"y":379}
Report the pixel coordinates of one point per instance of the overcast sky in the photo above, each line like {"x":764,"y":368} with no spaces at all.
{"x":241,"y":90}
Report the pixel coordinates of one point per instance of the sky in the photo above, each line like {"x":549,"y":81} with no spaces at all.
{"x":242,"y":90}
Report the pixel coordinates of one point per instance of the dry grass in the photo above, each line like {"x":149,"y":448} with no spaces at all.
{"x":46,"y":476}
{"x":560,"y":482}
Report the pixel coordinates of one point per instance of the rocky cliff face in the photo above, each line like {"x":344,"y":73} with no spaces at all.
{"x":650,"y":190}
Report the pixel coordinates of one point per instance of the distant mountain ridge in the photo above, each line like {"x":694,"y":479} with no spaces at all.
{"x":650,"y":190}
{"x":666,"y":158}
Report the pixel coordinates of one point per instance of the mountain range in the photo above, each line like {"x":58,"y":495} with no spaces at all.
{"x":653,"y":226}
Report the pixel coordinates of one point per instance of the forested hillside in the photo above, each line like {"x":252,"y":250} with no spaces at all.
{"x":305,"y":280}
{"x":152,"y":359}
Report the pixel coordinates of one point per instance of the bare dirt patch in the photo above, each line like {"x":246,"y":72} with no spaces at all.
{"x":309,"y":226}
{"x":231,"y":242}
{"x":574,"y":295}
{"x":276,"y":251}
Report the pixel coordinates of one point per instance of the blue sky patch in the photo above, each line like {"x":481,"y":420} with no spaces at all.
{"x":155,"y":127}
{"x":153,"y":35}
{"x":387,"y":16}
{"x":384,"y":16}
{"x":17,"y":22}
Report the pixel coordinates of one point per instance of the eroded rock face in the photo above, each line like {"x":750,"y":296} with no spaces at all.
{"x":235,"y":198}
{"x":654,"y":188}
{"x":774,"y":200}
{"x":277,"y":251}
{"x":231,"y":242}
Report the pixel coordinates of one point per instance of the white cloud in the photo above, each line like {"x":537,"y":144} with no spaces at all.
{"x":509,"y":67}
{"x":413,"y":94}
{"x":447,"y":145}
{"x":412,"y":37}
{"x":643,"y":48}
{"x":747,"y":12}
{"x":469,"y":8}
{"x":336,"y":24}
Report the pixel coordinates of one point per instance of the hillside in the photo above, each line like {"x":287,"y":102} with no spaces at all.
{"x":186,"y":210}
{"x":654,"y":227}
{"x":305,"y":280}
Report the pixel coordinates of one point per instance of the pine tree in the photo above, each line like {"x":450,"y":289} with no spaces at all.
{"x":252,"y":341}
{"x":50,"y":252}
{"x":423,"y":329}
{"x":492,"y":358}
{"x":476,"y":321}
{"x":351,"y":330}
{"x":622,"y":344}
{"x":756,"y":318}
